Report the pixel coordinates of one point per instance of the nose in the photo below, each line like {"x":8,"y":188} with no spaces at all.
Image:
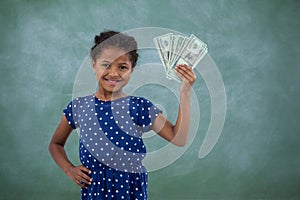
{"x":113,"y":71}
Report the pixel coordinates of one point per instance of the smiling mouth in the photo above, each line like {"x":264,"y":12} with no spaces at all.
{"x":112,"y":82}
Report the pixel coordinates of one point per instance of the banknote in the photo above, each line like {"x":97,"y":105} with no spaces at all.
{"x":193,"y":52}
{"x":175,"y":49}
{"x":163,"y":44}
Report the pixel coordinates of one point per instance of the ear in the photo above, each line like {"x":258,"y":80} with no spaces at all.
{"x":93,"y":65}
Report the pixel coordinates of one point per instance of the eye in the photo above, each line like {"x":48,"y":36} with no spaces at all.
{"x":123,"y":67}
{"x":105,"y":65}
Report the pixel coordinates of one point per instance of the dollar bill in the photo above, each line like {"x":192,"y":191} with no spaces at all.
{"x":164,"y":46}
{"x":193,"y":52}
{"x":175,"y":49}
{"x":160,"y":53}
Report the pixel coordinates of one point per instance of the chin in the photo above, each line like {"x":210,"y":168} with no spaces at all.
{"x":112,"y":89}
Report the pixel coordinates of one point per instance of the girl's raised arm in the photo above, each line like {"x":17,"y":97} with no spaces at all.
{"x":178,"y":133}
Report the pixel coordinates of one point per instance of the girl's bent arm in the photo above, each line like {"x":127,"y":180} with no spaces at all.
{"x":178,"y":133}
{"x":56,"y":148}
{"x":57,"y":143}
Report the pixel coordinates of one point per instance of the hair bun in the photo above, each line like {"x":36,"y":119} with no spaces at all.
{"x":104,"y":36}
{"x":97,"y":39}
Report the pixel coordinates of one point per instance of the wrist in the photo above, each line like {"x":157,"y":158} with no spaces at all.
{"x":185,"y":96}
{"x":186,"y":92}
{"x":185,"y":88}
{"x":68,"y":168}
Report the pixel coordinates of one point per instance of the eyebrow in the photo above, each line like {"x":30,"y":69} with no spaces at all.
{"x":121,"y":63}
{"x":126,"y":63}
{"x":106,"y":61}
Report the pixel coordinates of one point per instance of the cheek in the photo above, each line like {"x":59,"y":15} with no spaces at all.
{"x":127,"y":75}
{"x":99,"y":71}
{"x":99,"y":75}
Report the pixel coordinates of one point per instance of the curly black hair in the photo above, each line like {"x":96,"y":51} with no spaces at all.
{"x":115,"y":39}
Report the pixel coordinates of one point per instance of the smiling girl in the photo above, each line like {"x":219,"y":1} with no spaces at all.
{"x":111,"y":125}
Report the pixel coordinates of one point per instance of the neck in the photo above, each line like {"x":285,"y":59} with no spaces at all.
{"x":108,"y":96}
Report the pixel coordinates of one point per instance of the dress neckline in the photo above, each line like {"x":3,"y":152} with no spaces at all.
{"x":109,"y":101}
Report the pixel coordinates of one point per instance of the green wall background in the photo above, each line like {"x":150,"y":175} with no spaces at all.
{"x":255,"y":44}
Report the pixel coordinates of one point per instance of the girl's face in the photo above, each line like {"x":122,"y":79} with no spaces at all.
{"x":113,"y":69}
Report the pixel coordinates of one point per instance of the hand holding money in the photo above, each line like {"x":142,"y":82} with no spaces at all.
{"x":177,"y":50}
{"x":187,"y":75}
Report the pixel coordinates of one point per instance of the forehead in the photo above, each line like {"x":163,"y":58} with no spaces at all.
{"x":113,"y":54}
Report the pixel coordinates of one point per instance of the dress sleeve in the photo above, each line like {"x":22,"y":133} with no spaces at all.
{"x":70,"y":114}
{"x":147,"y":114}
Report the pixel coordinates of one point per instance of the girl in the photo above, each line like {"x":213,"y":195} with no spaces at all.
{"x":111,"y":124}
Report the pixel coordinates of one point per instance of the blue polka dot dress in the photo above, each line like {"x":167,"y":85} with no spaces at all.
{"x":111,"y":144}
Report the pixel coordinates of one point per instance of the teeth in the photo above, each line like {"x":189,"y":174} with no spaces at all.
{"x":112,"y":81}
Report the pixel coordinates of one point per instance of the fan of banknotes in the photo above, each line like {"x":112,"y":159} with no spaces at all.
{"x":175,"y":49}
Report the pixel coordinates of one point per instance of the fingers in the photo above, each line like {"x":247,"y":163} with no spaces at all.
{"x":186,"y":73}
{"x":84,"y":179}
{"x":85,"y":170}
{"x":81,"y":184}
{"x":79,"y":176}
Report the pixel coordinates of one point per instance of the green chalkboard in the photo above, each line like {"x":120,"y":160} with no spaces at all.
{"x":255,"y":46}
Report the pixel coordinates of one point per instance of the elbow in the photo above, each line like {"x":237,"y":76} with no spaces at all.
{"x":50,"y":147}
{"x":179,"y":139}
{"x":180,"y":143}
